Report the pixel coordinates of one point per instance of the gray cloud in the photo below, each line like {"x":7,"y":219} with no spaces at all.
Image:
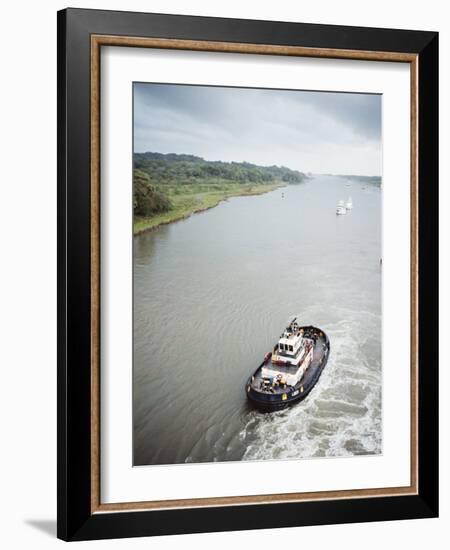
{"x":309,"y":131}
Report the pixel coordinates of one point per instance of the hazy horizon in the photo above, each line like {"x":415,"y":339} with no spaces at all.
{"x":319,"y":132}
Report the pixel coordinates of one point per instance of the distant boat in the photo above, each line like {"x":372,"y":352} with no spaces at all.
{"x":349,"y":204}
{"x":340,"y":209}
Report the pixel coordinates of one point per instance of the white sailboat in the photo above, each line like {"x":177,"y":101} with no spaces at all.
{"x":349,"y":204}
{"x":340,"y":209}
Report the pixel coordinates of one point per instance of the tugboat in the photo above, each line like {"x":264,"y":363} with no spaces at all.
{"x":291,"y":370}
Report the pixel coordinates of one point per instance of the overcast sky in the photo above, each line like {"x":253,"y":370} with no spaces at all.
{"x":320,"y":132}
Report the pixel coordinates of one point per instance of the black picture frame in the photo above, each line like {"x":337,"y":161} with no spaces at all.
{"x":76,"y":521}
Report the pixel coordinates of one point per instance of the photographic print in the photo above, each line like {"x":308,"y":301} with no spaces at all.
{"x":257,"y":274}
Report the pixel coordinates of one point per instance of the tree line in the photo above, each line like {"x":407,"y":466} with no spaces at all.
{"x":147,"y":200}
{"x":152,"y":171}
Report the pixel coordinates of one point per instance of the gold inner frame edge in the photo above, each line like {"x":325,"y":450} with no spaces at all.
{"x":97,"y":41}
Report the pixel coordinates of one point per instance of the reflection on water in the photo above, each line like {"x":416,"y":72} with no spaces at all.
{"x":212,"y":294}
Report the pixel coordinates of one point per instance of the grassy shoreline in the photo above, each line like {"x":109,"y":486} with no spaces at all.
{"x":184,"y":205}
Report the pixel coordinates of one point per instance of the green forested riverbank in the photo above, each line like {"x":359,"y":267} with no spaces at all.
{"x":172,"y":187}
{"x":371,"y":180}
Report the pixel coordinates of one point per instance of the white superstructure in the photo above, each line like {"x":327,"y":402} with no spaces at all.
{"x":293,"y":347}
{"x":290,"y":358}
{"x":280,"y":374}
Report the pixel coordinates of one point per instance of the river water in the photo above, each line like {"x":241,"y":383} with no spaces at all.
{"x":213,"y":292}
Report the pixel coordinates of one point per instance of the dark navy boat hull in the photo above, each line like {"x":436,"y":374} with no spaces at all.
{"x":276,"y":401}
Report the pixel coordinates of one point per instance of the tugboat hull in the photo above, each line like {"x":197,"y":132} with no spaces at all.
{"x":281,"y":398}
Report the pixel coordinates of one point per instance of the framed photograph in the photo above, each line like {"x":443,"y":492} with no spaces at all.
{"x":247,"y":252}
